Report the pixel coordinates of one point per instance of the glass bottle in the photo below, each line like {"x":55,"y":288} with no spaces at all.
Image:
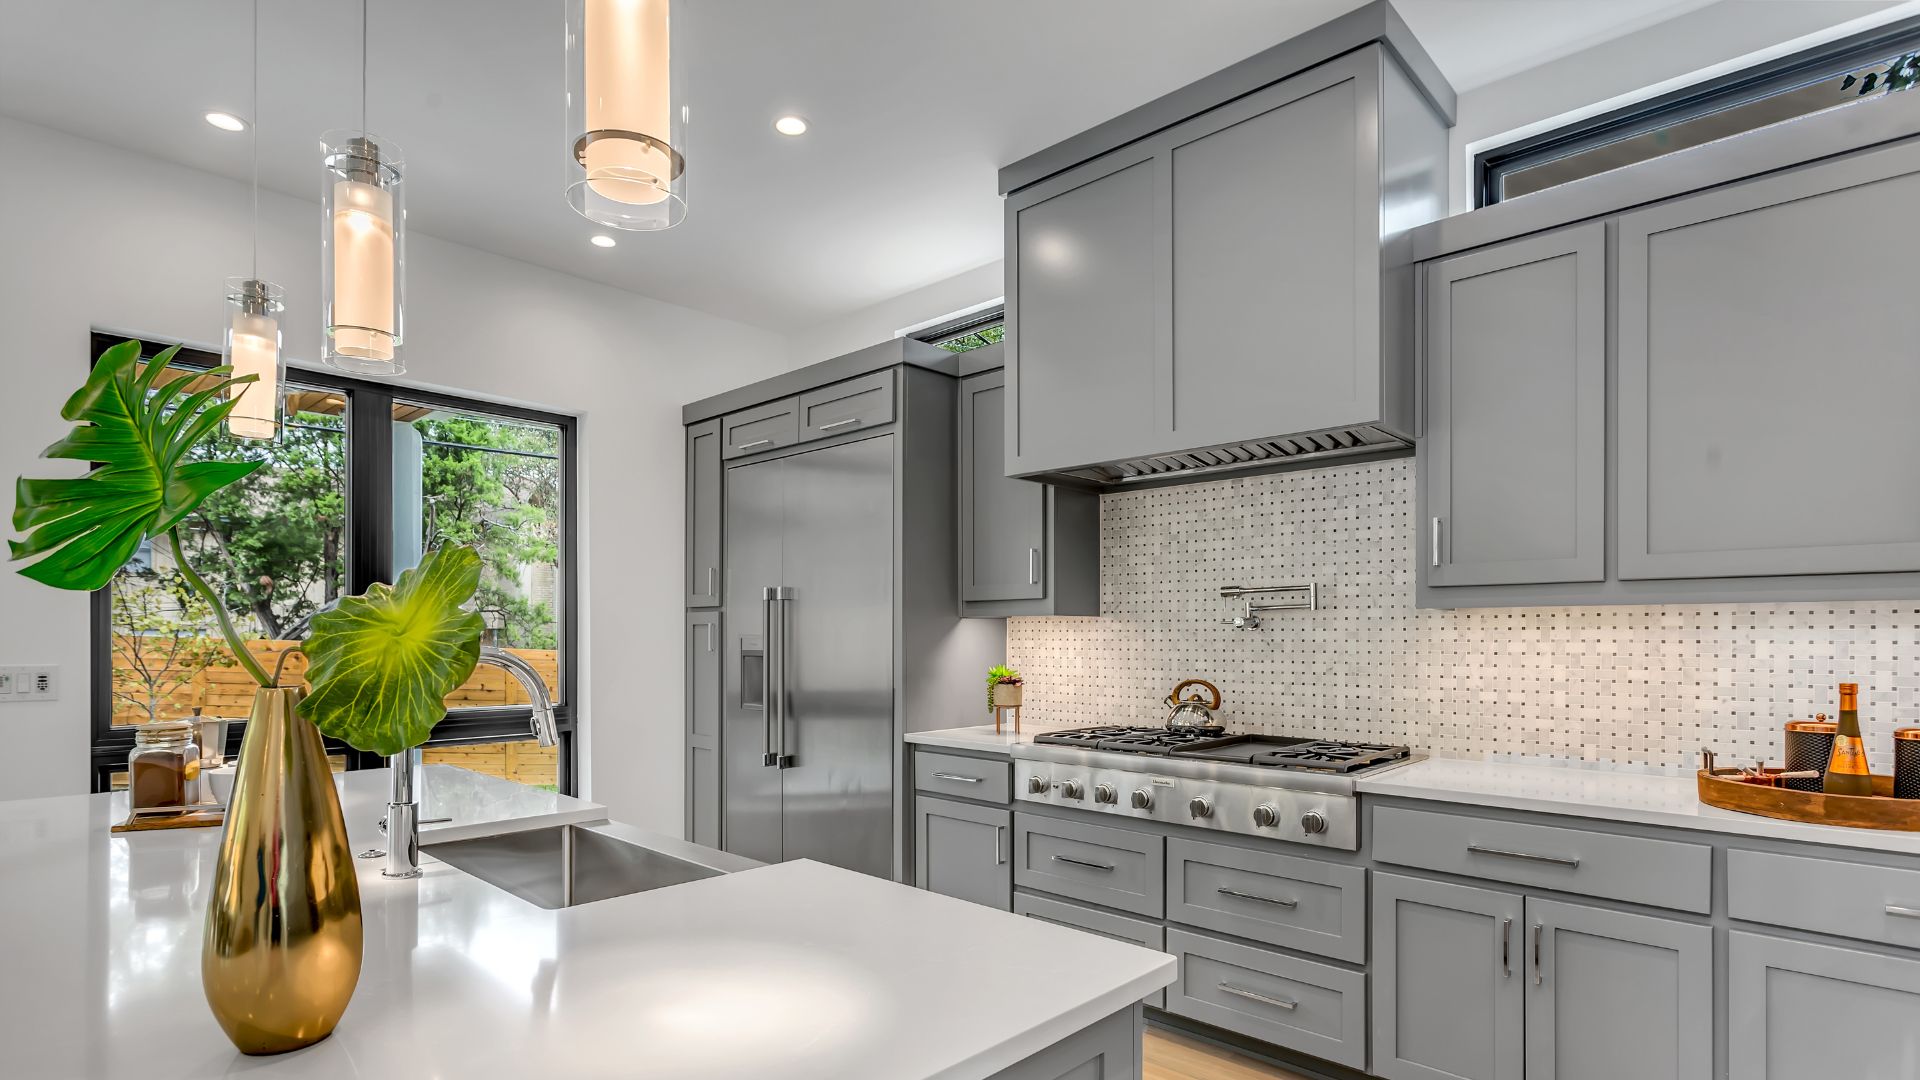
{"x":164,"y":767}
{"x":1847,"y":769}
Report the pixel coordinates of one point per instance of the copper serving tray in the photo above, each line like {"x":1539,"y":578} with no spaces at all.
{"x":1877,"y":811}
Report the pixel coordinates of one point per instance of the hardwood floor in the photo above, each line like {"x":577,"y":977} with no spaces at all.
{"x":1173,"y":1056}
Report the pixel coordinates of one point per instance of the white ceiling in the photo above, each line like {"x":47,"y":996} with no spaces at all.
{"x":914,"y":105}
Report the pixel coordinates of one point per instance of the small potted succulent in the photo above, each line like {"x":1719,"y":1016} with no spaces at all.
{"x":1003,"y":688}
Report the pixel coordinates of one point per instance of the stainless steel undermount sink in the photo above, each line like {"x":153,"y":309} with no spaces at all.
{"x":569,"y":865}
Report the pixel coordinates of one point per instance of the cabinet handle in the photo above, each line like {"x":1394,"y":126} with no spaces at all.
{"x":1274,"y":900}
{"x":1506,"y":947}
{"x":1569,"y":861}
{"x":1278,"y":1003}
{"x":956,"y":776}
{"x":708,"y":634}
{"x":754,"y":443}
{"x":713,"y":581}
{"x":1434,"y":554}
{"x":1033,"y":566}
{"x":1105,"y":867}
{"x":1539,"y":930}
{"x":840,"y":423}
{"x":1903,"y":912}
{"x":999,"y":846}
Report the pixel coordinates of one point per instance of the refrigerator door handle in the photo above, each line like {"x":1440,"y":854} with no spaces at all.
{"x":769,"y":695}
{"x":778,"y":597}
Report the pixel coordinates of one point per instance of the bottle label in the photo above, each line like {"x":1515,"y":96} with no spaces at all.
{"x":1849,"y":757}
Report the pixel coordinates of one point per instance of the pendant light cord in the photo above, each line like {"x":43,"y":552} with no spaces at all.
{"x":256,"y":140}
{"x":363,"y":67}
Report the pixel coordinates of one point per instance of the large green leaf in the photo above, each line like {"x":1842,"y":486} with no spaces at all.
{"x":381,"y":665}
{"x":87,"y":527}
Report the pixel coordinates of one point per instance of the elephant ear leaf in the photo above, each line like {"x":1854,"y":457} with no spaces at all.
{"x":382,"y":664}
{"x":87,"y":527}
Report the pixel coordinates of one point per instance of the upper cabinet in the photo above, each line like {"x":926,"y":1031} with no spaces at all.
{"x":1213,"y":294}
{"x":703,"y":514}
{"x":1753,"y":439}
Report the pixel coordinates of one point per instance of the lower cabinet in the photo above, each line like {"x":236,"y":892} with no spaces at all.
{"x":1799,"y":1010}
{"x":703,"y":811}
{"x":962,"y":851}
{"x":1483,"y":984}
{"x":1315,"y":1008}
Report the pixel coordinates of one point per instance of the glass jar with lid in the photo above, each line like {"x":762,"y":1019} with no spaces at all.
{"x":164,"y":767}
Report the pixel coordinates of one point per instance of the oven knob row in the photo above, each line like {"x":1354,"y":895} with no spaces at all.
{"x":1266,"y":816}
{"x":1199,"y":807}
{"x":1104,"y":793}
{"x":1142,"y":799}
{"x":1314,"y":822}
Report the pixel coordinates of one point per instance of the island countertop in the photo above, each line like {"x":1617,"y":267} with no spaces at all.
{"x":794,"y":970}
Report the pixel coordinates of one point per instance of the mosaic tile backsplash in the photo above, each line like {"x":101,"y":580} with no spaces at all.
{"x":1645,"y":686}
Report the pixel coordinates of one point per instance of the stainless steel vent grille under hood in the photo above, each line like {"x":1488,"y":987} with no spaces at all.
{"x":1244,"y":457}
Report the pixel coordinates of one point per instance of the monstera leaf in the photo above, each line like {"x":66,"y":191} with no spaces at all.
{"x":381,"y":665}
{"x":87,"y":527}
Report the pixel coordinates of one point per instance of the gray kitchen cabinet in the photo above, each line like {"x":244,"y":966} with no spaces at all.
{"x":1315,"y":1008}
{"x":1448,"y":981}
{"x":845,"y":407}
{"x":702,"y":646}
{"x":1026,"y":548}
{"x":760,"y":429}
{"x":1767,"y":377}
{"x":1147,"y":935}
{"x":703,"y":514}
{"x":1798,"y":1010}
{"x":962,"y":850}
{"x":1513,"y":465}
{"x":1612,"y":994}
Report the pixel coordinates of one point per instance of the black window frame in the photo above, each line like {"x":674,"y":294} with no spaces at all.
{"x":1830,"y":60}
{"x":369,"y":559}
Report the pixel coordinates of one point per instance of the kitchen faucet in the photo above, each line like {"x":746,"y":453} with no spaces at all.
{"x":403,"y":799}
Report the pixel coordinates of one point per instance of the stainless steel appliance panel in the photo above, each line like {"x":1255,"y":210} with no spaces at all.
{"x":756,"y":525}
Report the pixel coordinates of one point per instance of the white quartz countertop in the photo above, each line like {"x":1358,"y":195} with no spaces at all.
{"x":797,"y":970}
{"x":1610,"y":794}
{"x":979,"y":737}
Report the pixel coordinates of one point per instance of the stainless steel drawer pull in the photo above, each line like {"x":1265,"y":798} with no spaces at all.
{"x":1539,"y":931}
{"x":999,"y":845}
{"x":1274,"y":900}
{"x":1903,"y":912}
{"x":1506,"y":948}
{"x":1570,"y":861}
{"x":1033,"y":566}
{"x":1278,"y":1003}
{"x":754,"y":443}
{"x":1435,"y":553}
{"x":956,"y":776}
{"x":1084,"y":862}
{"x":840,"y":423}
{"x":713,"y":581}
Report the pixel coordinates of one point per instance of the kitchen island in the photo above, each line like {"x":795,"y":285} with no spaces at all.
{"x":792,"y":970}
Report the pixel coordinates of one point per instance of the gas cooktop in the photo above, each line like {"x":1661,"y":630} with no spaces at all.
{"x":1133,"y":740}
{"x":1214,"y":744}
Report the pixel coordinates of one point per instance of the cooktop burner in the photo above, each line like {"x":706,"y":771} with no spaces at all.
{"x":1133,"y":740}
{"x":1317,"y":755}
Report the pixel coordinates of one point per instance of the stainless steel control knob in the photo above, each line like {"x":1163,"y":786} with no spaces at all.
{"x":1265,"y":816}
{"x":1037,"y":785}
{"x":1199,"y":807}
{"x":1071,"y":789}
{"x":1142,"y":799}
{"x":1313,"y":821}
{"x":1105,"y":793}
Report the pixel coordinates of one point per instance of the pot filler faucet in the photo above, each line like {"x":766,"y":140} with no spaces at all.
{"x":403,"y":800}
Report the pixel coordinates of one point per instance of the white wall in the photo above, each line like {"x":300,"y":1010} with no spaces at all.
{"x":99,"y":237}
{"x":872,"y":325}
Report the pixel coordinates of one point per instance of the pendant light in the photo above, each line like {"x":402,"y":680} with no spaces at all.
{"x":626,"y":114}
{"x":362,"y":244}
{"x":252,"y":342}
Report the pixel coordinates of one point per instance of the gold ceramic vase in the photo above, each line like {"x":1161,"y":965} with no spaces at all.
{"x":282,"y":948}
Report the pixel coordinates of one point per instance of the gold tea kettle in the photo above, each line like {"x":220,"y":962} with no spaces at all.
{"x":1194,"y":711}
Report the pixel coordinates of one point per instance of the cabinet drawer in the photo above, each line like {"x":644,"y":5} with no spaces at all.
{"x":1117,"y":868}
{"x":966,"y":777}
{"x":1662,"y":873}
{"x":761,"y":428}
{"x":1118,"y":927}
{"x":1872,"y":903}
{"x":847,"y":406}
{"x":1314,"y":1008}
{"x":1303,"y":904}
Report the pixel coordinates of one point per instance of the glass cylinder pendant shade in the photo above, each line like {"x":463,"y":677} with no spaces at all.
{"x":253,"y":348}
{"x":626,"y":114}
{"x":362,"y":253}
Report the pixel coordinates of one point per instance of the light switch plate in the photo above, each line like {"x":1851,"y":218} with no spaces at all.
{"x":29,"y":682}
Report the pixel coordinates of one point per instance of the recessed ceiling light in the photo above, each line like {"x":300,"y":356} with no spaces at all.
{"x":226,"y":121}
{"x":602,"y":240}
{"x":790,"y":125}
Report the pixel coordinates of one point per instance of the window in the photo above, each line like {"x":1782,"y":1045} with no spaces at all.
{"x":974,"y":331}
{"x":1809,"y":82}
{"x":363,"y":481}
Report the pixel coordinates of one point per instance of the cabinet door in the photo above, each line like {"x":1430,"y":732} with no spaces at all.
{"x":1276,"y":276}
{"x":1767,"y":376}
{"x":1002,"y":519}
{"x":703,"y":514}
{"x":1797,"y":1010}
{"x":703,"y":727}
{"x":1086,"y":288}
{"x":1612,"y":995}
{"x":1447,"y":981}
{"x":962,"y":850}
{"x":1514,"y":462}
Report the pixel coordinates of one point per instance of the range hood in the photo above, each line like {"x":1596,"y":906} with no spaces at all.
{"x":1263,"y":455}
